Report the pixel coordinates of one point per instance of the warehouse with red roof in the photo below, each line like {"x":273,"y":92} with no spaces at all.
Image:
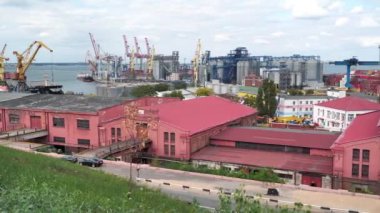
{"x":337,"y":114}
{"x":299,"y":156}
{"x":184,"y":127}
{"x":357,"y":155}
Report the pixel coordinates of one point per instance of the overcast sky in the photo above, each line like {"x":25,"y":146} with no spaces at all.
{"x":333,"y":29}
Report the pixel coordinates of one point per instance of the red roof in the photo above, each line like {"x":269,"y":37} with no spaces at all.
{"x":276,"y":160}
{"x":298,"y":138}
{"x":200,"y":114}
{"x":364,"y":126}
{"x":350,"y":103}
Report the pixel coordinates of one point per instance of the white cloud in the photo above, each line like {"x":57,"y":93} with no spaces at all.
{"x":260,"y":41}
{"x":369,"y":41}
{"x":341,"y":21}
{"x":357,"y":9}
{"x":277,"y":34}
{"x":306,"y":9}
{"x":367,"y":21}
{"x":222,"y":37}
{"x":313,"y":37}
{"x":325,"y":33}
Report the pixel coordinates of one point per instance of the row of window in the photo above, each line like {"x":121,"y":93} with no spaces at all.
{"x":63,"y":140}
{"x":364,"y":172}
{"x":335,"y":115}
{"x":306,"y":109}
{"x":172,"y":137}
{"x":307,"y":102}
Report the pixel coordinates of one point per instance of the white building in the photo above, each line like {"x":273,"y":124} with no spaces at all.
{"x":336,"y":115}
{"x":221,"y":88}
{"x":298,"y":105}
{"x":336,"y":93}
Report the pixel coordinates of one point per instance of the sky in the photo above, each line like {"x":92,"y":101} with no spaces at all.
{"x":332,"y":29}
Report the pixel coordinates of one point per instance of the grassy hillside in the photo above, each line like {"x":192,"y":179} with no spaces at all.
{"x":34,"y":183}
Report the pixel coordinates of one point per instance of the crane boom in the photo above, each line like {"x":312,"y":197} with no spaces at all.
{"x":95,"y":46}
{"x":2,"y":59}
{"x":126,"y":46}
{"x":196,"y":61}
{"x":3,"y":50}
{"x":138,"y":50}
{"x":24,"y":61}
{"x":148,"y":49}
{"x":352,"y":62}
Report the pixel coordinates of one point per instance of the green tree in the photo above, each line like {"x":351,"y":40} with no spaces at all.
{"x":295,"y":92}
{"x":143,"y":90}
{"x":203,"y":91}
{"x":266,"y":98}
{"x":309,"y":92}
{"x":175,"y":94}
{"x":250,"y":101}
{"x":161,"y":87}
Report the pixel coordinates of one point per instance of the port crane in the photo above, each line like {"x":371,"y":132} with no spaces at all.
{"x":2,"y":65}
{"x":352,"y":62}
{"x":24,"y":60}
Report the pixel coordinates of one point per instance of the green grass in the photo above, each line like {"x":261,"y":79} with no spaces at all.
{"x":262,"y":174}
{"x":36,"y":183}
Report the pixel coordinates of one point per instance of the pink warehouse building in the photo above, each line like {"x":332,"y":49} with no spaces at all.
{"x":357,"y":155}
{"x":72,"y":121}
{"x":182,"y":128}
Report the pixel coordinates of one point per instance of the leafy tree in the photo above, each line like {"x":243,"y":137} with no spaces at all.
{"x":295,"y":92}
{"x":179,"y":85}
{"x":143,"y":90}
{"x":266,"y":98}
{"x":309,"y":92}
{"x":175,"y":94}
{"x":161,"y":87}
{"x":203,"y":91}
{"x":250,"y":101}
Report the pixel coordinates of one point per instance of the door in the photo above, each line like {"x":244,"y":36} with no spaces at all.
{"x":35,"y":122}
{"x":311,"y":180}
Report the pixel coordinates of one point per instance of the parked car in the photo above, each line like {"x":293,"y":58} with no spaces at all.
{"x":93,"y":162}
{"x":70,"y":158}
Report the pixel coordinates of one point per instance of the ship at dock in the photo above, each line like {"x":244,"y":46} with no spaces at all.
{"x":85,"y":77}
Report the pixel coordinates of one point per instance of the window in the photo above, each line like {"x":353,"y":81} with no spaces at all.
{"x":166,"y":137}
{"x":350,"y":117}
{"x":300,"y":109}
{"x":166,"y":149}
{"x":337,"y":115}
{"x":311,"y":102}
{"x":172,"y":150}
{"x":294,"y":103}
{"x":355,"y":169}
{"x":307,"y":102}
{"x":328,"y":114}
{"x":300,"y":102}
{"x":83,"y":141}
{"x":323,"y":112}
{"x":355,"y":154}
{"x":14,"y":118}
{"x":118,"y":132}
{"x":59,"y":122}
{"x":343,"y":117}
{"x":365,"y":170}
{"x":83,"y":124}
{"x":59,"y":139}
{"x":365,"y":155}
{"x":113,"y":132}
{"x":172,"y":137}
{"x":294,"y":109}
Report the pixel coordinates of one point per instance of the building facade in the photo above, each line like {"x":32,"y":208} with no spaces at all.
{"x":338,"y":114}
{"x":298,"y":106}
{"x":357,"y":155}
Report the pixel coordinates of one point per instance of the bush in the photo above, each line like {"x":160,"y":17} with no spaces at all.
{"x":175,"y":94}
{"x":161,"y":87}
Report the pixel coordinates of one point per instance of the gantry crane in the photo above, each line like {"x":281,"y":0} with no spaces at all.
{"x":196,"y":62}
{"x":24,"y":60}
{"x":150,"y":64}
{"x":2,"y":61}
{"x":352,"y":62}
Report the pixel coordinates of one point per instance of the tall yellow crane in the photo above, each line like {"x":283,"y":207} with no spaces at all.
{"x":24,"y":60}
{"x":150,"y":64}
{"x":2,"y":61}
{"x":132,"y":73}
{"x":196,"y":62}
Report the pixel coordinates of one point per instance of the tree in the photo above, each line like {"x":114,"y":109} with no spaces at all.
{"x":295,"y":92}
{"x":143,"y":90}
{"x":309,"y":92}
{"x":175,"y":94}
{"x":266,"y":98}
{"x":250,"y":100}
{"x":203,"y":91}
{"x":161,"y":87}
